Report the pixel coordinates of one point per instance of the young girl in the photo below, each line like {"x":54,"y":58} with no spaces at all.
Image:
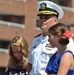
{"x":61,"y":63}
{"x":18,"y":52}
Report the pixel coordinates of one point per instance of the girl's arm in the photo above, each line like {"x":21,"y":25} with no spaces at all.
{"x":6,"y":71}
{"x":65,"y":64}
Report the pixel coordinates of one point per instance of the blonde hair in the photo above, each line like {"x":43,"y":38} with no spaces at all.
{"x":22,"y":43}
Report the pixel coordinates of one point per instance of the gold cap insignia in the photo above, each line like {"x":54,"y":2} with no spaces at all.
{"x":43,"y":6}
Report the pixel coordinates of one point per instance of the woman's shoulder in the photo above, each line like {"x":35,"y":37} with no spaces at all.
{"x":67,"y":55}
{"x":68,"y":52}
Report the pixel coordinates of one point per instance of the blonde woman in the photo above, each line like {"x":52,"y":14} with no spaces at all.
{"x":18,"y":52}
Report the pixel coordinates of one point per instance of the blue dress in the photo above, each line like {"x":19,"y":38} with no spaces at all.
{"x":17,"y":70}
{"x":54,"y":62}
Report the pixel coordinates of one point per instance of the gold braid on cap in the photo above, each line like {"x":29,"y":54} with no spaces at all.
{"x":48,"y":12}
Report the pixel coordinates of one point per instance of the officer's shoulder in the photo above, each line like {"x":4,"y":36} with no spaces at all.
{"x":37,"y":36}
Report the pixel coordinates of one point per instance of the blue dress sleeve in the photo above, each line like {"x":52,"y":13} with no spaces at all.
{"x":48,"y":69}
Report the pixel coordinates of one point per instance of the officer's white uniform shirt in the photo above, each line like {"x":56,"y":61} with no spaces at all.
{"x":39,"y":55}
{"x":71,"y":45}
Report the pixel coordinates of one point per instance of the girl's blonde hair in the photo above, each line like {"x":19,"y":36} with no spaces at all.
{"x":22,"y":43}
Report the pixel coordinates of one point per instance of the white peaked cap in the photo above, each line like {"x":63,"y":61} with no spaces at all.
{"x":52,"y":6}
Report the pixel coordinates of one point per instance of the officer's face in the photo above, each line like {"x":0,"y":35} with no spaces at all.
{"x":46,"y":21}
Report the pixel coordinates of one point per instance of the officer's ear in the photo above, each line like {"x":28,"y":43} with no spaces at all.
{"x":56,"y":20}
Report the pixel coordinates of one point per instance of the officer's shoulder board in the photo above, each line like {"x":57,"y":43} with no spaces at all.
{"x":37,"y":35}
